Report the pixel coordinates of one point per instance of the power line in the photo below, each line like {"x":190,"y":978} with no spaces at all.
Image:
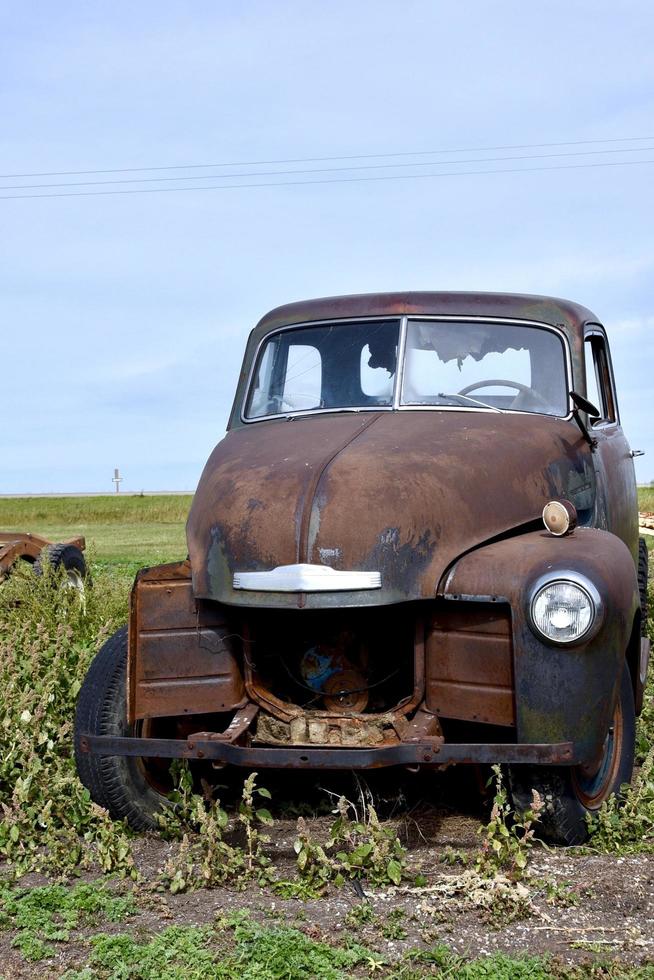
{"x":333,"y":180}
{"x":323,"y":170}
{"x":355,"y":156}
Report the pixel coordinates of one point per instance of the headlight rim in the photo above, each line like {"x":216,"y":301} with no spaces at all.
{"x":567,"y":577}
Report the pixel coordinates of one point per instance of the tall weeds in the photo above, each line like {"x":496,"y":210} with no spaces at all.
{"x":48,"y":637}
{"x":628,"y":825}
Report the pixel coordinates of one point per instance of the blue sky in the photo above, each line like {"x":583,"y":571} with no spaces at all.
{"x":123,"y":318}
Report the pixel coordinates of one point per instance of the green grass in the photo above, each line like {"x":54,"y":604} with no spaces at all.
{"x":50,"y":913}
{"x":118,"y":530}
{"x":242,"y":949}
{"x":646,"y":498}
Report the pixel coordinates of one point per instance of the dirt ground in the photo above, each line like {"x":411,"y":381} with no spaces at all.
{"x":604,"y":910}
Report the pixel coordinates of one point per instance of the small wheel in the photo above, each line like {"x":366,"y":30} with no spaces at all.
{"x":643,"y":572}
{"x":571,"y":793}
{"x":121,"y":784}
{"x":66,"y":556}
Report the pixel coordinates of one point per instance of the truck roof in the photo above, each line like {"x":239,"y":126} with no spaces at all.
{"x":544,"y":309}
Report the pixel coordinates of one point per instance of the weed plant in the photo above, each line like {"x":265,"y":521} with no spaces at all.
{"x":627,"y":826}
{"x":356,"y":848}
{"x":205,"y":859}
{"x":48,"y":636}
{"x":507,"y":837}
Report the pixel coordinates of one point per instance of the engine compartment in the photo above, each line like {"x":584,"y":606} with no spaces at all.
{"x":349,"y":661}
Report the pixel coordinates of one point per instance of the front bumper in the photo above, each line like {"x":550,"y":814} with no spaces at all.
{"x":430,"y":753}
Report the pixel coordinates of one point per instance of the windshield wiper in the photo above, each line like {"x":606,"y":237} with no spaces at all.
{"x":472,"y":401}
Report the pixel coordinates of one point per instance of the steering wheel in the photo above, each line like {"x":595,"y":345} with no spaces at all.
{"x":522,"y":389}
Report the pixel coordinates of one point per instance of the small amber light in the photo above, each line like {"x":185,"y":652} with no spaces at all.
{"x":560,"y":517}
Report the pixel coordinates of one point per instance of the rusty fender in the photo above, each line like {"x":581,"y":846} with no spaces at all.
{"x":181,"y":655}
{"x":562,"y":692}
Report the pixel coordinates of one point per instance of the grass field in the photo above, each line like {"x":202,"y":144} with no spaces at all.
{"x":646,"y":498}
{"x":122,"y":530}
{"x":126,"y":530}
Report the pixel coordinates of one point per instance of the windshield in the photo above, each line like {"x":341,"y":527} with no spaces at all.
{"x":492,"y":365}
{"x":353,"y":365}
{"x":345,"y":365}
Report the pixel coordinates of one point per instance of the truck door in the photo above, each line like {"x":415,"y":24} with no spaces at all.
{"x":616,"y":500}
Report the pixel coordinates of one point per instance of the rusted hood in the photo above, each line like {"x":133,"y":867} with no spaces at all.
{"x":403,"y":493}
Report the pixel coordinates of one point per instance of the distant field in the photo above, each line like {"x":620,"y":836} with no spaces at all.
{"x":646,"y":498}
{"x":118,"y":529}
{"x":126,"y":530}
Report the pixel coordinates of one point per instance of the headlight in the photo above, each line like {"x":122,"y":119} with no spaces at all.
{"x":563,"y":611}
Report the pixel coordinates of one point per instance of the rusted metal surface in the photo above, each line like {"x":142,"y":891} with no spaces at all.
{"x":182,"y":658}
{"x":561,"y":693}
{"x":15,"y":546}
{"x":469,"y":663}
{"x":237,"y":728}
{"x":404,"y":754}
{"x":406,"y":511}
{"x":445,"y":506}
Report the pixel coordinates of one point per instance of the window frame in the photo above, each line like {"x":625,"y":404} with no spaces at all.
{"x":396,"y":405}
{"x":596,"y":344}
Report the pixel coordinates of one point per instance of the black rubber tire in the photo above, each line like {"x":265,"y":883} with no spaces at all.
{"x":66,"y":556}
{"x":117,"y":783}
{"x":563,"y":818}
{"x":643,"y":572}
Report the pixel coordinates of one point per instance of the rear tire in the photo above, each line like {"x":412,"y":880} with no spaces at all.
{"x":67,"y":556}
{"x":117,"y":783}
{"x":570,"y":794}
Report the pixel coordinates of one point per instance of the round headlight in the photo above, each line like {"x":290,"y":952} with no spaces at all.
{"x":562,"y":611}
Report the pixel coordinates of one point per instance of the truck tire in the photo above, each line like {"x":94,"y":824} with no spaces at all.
{"x":66,"y":556}
{"x":643,"y":572}
{"x":118,"y":783}
{"x":568,"y":793}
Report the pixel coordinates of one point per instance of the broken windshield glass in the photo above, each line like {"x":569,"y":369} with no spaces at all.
{"x":500,"y":366}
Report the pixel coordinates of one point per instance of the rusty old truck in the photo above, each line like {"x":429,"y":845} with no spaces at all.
{"x":416,"y":546}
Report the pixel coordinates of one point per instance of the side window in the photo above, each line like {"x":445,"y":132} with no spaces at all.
{"x":599,"y":388}
{"x":288,"y":378}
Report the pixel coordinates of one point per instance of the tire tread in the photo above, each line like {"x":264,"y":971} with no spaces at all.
{"x":114,"y":782}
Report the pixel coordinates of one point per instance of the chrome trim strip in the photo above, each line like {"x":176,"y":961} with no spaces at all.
{"x":399,"y":369}
{"x":306,"y":578}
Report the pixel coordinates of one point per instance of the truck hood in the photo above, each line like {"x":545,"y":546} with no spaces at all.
{"x":402,"y":493}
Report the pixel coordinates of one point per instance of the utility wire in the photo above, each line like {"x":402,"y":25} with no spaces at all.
{"x":332,"y":180}
{"x":324,"y":170}
{"x":356,"y":156}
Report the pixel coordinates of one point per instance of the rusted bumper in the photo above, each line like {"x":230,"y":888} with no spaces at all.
{"x":305,"y":757}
